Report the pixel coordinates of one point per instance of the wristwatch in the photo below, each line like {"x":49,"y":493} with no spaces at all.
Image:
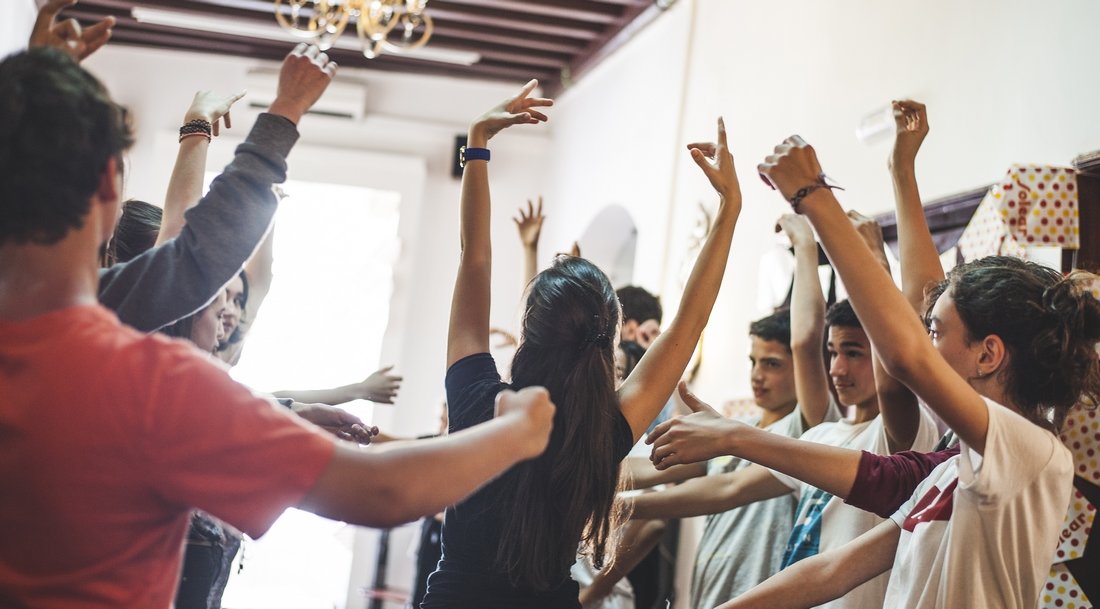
{"x":472,"y":154}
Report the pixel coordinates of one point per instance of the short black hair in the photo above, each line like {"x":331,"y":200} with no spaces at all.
{"x":638,"y":304}
{"x":59,"y":130}
{"x":776,"y":326}
{"x":843,"y":315}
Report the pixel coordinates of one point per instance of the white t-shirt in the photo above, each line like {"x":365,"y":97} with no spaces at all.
{"x":825,"y":522}
{"x":742,"y":547}
{"x":981,"y":532}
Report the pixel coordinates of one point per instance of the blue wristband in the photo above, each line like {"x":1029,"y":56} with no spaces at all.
{"x":472,"y":154}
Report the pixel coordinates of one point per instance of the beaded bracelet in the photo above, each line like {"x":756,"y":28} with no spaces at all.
{"x":802,"y":193}
{"x":197,"y":126}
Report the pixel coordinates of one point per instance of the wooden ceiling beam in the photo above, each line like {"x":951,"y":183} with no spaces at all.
{"x":578,"y":10}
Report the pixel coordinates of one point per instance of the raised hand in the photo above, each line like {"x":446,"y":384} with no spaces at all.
{"x":791,"y":167}
{"x":381,"y":386}
{"x":529,"y":223}
{"x":797,"y":228}
{"x":869,"y":229}
{"x":212,"y":108}
{"x":696,"y":437}
{"x":337,"y":422}
{"x":532,"y":412}
{"x":67,"y":35}
{"x":305,"y":75}
{"x":911,"y":122}
{"x":517,"y":110}
{"x":717,"y":164}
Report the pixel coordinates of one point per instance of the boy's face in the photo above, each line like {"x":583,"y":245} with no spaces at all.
{"x":772,"y":375}
{"x":850,"y":366}
{"x":643,"y":333}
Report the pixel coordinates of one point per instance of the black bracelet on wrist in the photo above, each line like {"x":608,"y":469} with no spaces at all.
{"x":197,"y":127}
{"x":805,"y":191}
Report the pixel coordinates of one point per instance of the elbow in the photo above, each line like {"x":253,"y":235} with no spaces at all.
{"x":391,"y":508}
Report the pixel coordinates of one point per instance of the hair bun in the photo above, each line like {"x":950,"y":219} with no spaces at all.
{"x":1072,"y":302}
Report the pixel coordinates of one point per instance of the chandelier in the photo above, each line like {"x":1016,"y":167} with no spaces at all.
{"x":383,"y":25}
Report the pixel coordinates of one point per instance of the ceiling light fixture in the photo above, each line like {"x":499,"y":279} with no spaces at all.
{"x":323,"y":21}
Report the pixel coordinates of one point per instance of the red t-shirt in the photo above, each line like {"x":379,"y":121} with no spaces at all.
{"x":108,"y":439}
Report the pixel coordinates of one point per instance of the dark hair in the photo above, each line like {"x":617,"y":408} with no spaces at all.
{"x":633,"y":352}
{"x":843,"y":315}
{"x":568,"y":493}
{"x":136,"y":232}
{"x":1049,"y":324}
{"x":776,"y":327}
{"x":181,"y":328}
{"x":638,"y":304}
{"x":59,"y":130}
{"x":238,"y":332}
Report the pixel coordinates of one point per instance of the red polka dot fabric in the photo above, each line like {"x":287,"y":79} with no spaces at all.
{"x":1033,"y":205}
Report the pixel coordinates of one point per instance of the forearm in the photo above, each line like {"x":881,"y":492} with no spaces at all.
{"x":530,"y":263}
{"x":332,"y":397}
{"x":807,"y":583}
{"x":642,"y":474}
{"x":647,"y":389}
{"x":826,"y":467}
{"x":400,"y":481}
{"x":637,"y":540}
{"x":176,"y":279}
{"x":920,"y":260}
{"x":184,"y":187}
{"x":807,"y":332}
{"x":710,"y":495}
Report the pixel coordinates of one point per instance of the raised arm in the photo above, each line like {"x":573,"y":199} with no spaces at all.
{"x":648,"y":388}
{"x":920,"y":262}
{"x":710,"y":494}
{"x":811,"y":380}
{"x":900,"y":340}
{"x":469,"y":325}
{"x":529,"y":224}
{"x":185,"y":185}
{"x":179,"y":277}
{"x":705,"y":434}
{"x":399,"y":481}
{"x":897,"y":405}
{"x":68,"y":35}
{"x":826,"y":576}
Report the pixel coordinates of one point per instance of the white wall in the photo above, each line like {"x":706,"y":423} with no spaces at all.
{"x":16,"y":21}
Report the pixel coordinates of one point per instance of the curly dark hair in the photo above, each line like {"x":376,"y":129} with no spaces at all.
{"x":60,"y":128}
{"x":842,"y":315}
{"x":638,"y":304}
{"x":1050,"y":325}
{"x":775,"y":327}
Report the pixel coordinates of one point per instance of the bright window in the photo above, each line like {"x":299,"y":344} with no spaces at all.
{"x":321,"y":326}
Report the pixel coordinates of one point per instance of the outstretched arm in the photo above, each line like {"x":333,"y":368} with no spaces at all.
{"x":900,"y":340}
{"x":529,"y":224}
{"x":827,"y":576}
{"x":705,"y":434}
{"x":399,"y":481}
{"x":811,"y":381}
{"x":710,"y":494}
{"x":634,"y":544}
{"x":920,"y":262}
{"x":380,"y":387}
{"x":469,"y":325}
{"x":638,"y":473}
{"x":648,"y":388}
{"x":185,"y":185}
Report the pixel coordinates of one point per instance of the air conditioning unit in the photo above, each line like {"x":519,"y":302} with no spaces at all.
{"x":344,"y":99}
